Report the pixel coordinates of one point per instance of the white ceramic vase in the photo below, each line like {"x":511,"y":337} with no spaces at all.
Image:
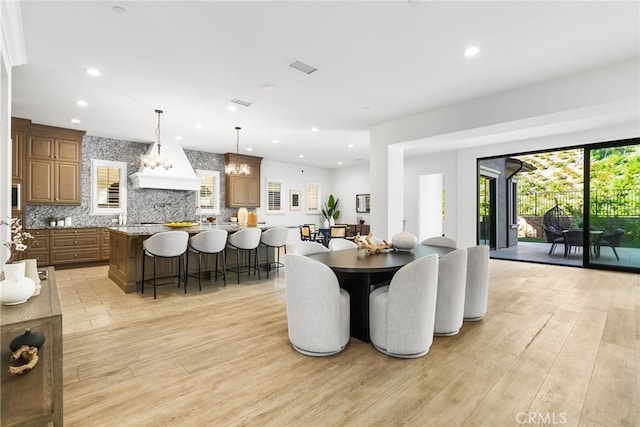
{"x":16,"y":288}
{"x":404,"y":240}
{"x":332,"y":222}
{"x":31,"y":271}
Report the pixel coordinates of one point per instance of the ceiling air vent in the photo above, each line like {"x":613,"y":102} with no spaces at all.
{"x":241,"y":102}
{"x":301,"y":66}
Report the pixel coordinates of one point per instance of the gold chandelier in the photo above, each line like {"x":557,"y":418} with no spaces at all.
{"x":155,"y":160}
{"x":237,"y":168}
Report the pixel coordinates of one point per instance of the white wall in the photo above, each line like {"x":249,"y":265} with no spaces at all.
{"x":345,"y":184}
{"x":595,"y":105}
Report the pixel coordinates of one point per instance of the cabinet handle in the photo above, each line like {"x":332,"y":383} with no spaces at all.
{"x":75,"y":242}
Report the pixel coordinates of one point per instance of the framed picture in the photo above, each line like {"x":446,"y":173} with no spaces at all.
{"x":294,"y":200}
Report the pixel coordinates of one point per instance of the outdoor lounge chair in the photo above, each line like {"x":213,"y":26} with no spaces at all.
{"x":613,"y":240}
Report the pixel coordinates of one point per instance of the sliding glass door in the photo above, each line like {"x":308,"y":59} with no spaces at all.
{"x":614,"y":205}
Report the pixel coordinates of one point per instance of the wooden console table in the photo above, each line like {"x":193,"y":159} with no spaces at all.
{"x":35,"y":398}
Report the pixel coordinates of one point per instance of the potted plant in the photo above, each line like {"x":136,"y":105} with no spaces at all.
{"x":51,"y":220}
{"x":330,"y":211}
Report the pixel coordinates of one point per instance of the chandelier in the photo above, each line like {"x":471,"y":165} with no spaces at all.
{"x":155,"y":160}
{"x":237,"y":168}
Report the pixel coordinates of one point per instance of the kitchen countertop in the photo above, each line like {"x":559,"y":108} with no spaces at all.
{"x":149,"y":229}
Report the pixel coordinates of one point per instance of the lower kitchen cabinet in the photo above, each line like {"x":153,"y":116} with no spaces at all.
{"x":66,"y":247}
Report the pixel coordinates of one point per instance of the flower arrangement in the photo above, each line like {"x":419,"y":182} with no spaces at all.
{"x":19,"y":237}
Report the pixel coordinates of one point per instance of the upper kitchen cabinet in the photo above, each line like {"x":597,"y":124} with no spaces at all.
{"x":53,"y":165}
{"x":243,"y":190}
{"x":19,"y":129}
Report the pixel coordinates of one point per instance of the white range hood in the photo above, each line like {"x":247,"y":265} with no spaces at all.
{"x":180,"y":177}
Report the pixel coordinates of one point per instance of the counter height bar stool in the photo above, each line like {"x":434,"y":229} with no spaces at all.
{"x":210,"y":242}
{"x":275,"y":238}
{"x":246,"y":239}
{"x":168,"y":244}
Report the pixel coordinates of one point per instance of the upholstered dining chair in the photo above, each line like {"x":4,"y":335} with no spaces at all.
{"x":210,"y":242}
{"x":275,"y":238}
{"x":317,"y":308}
{"x":248,"y":240}
{"x":402,"y":314}
{"x":305,"y":247}
{"x":338,"y":232}
{"x":452,"y":278}
{"x":447,"y":242}
{"x":167,"y":244}
{"x":477,"y":285}
{"x":340,"y":244}
{"x":306,"y":234}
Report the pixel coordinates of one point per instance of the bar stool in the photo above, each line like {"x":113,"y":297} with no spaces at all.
{"x":275,"y":238}
{"x":247,"y":239}
{"x":210,"y":242}
{"x":168,"y":244}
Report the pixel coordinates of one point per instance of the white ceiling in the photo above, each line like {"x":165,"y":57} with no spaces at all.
{"x":377,"y":61}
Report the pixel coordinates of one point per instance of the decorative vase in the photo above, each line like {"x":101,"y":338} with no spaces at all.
{"x":252,"y":219}
{"x":16,"y":288}
{"x":404,"y":241}
{"x":326,"y":223}
{"x":31,"y":339}
{"x":31,"y":271}
{"x":242,"y":217}
{"x":332,"y":222}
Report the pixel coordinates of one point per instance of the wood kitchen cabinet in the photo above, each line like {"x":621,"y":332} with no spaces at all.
{"x":53,"y":165}
{"x":243,"y":190}
{"x":39,"y":247}
{"x":75,"y":245}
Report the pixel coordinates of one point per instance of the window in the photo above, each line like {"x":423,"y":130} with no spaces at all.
{"x":108,"y":187}
{"x":513,"y":205}
{"x":209,"y":195}
{"x":313,"y":198}
{"x":274,"y":196}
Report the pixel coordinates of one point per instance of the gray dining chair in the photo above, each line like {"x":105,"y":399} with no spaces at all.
{"x":341,"y":244}
{"x":402,"y":314}
{"x":477,"y":284}
{"x":317,"y":308}
{"x":306,"y":247}
{"x":447,"y":242}
{"x":452,"y":277}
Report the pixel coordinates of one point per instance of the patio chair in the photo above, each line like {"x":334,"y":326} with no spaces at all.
{"x":613,"y":240}
{"x":573,"y":238}
{"x":554,"y":236}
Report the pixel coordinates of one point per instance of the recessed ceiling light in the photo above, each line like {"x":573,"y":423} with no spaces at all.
{"x":92,"y":72}
{"x":268,"y":87}
{"x":178,"y":138}
{"x":339,"y":163}
{"x":75,"y":121}
{"x":275,"y":141}
{"x":231,"y":108}
{"x":301,"y":66}
{"x":81,"y":103}
{"x":350,"y":145}
{"x":314,"y":129}
{"x":249,"y":149}
{"x":198,"y":126}
{"x":301,"y":156}
{"x":471,"y":51}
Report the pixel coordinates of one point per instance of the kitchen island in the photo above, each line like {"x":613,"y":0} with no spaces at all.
{"x":125,"y":262}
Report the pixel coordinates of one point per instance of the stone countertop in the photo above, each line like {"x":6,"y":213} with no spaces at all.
{"x":149,"y":229}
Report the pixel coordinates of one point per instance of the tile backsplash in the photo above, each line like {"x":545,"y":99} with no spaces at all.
{"x":143,"y":204}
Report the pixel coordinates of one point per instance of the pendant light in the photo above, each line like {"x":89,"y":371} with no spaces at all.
{"x":154,"y":160}
{"x":237,"y":168}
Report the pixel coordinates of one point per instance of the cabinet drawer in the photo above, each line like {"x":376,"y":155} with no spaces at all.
{"x":66,"y":232}
{"x":39,"y":233}
{"x":74,"y":242}
{"x":41,"y":256}
{"x":105,"y":253}
{"x":68,"y":257}
{"x":39,"y":244}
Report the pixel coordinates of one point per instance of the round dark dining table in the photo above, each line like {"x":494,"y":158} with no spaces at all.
{"x":358,"y":275}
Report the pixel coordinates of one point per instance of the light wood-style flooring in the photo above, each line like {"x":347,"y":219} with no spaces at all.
{"x":558,"y":346}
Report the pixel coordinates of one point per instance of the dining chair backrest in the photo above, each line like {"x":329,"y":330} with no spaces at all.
{"x":447,"y":242}
{"x":337,"y":232}
{"x":340,"y":244}
{"x":167,"y":243}
{"x":305,"y":232}
{"x":246,"y":238}
{"x":452,"y":278}
{"x":306,"y":247}
{"x":209,"y":241}
{"x":477,"y":286}
{"x":312,"y":228}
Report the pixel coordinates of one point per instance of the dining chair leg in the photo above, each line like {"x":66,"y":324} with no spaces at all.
{"x":142,"y":283}
{"x":238,"y":264}
{"x":224,"y":267}
{"x":154,"y":277}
